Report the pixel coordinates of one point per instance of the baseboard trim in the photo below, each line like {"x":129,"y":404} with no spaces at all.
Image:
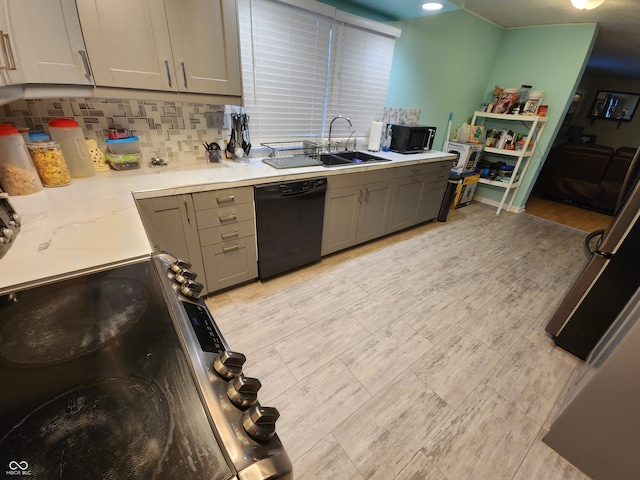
{"x":496,"y":204}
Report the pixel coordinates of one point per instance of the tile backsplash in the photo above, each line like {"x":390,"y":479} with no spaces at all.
{"x":174,"y":131}
{"x":401,"y":116}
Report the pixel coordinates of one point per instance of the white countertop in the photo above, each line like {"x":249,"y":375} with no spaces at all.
{"x":94,"y":221}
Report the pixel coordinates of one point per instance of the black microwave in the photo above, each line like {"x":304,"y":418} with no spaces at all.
{"x":411,"y":138}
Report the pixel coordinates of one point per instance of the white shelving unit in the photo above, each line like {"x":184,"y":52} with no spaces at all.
{"x":535,"y":125}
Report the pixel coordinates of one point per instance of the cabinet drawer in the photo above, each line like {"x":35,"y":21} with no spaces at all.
{"x":353,"y":179}
{"x":227,"y":233}
{"x":222,"y":198}
{"x":164,"y":203}
{"x":438,"y":168}
{"x":230,"y":263}
{"x":214,"y":217}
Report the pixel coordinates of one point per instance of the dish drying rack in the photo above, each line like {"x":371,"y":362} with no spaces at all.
{"x":305,"y":153}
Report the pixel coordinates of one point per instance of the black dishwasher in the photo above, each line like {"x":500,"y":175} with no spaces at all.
{"x":289,"y":224}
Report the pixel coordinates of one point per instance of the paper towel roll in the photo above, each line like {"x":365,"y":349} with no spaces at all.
{"x":375,"y":136}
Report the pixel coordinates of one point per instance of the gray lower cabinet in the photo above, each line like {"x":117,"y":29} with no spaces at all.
{"x":215,"y":231}
{"x":417,"y":194}
{"x":171,"y":226}
{"x":356,"y":209}
{"x":226,"y":227}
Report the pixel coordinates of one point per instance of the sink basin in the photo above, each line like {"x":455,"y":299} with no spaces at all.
{"x":349,"y":158}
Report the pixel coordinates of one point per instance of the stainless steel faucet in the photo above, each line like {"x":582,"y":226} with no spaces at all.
{"x":331,"y":126}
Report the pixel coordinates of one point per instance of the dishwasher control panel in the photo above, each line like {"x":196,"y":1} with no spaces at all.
{"x":293,"y":187}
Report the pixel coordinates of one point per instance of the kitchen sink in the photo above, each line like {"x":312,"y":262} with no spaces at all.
{"x":349,"y":158}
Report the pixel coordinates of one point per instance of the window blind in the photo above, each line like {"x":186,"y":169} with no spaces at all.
{"x":301,"y":68}
{"x":358,"y":79}
{"x":285,"y":61}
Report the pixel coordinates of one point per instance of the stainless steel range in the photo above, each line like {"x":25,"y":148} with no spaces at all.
{"x":122,"y":373}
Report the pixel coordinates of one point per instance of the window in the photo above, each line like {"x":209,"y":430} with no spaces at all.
{"x":301,"y":68}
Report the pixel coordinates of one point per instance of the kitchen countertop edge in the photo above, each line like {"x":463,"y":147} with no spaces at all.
{"x":94,"y":222}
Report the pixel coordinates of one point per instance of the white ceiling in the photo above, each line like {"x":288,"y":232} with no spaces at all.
{"x":617,"y":48}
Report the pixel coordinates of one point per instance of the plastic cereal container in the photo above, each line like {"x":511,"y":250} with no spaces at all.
{"x":50,"y":164}
{"x":18,"y":176}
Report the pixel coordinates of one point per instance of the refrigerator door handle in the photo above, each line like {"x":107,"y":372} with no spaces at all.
{"x":588,"y":251}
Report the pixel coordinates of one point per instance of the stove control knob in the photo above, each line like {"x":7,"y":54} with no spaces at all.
{"x":6,"y":234}
{"x":191,"y":289}
{"x":243,"y":391}
{"x":260,"y":422}
{"x":15,"y":220}
{"x":183,"y":275}
{"x":180,"y":265}
{"x":228,"y":365}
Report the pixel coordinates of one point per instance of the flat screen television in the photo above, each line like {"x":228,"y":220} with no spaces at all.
{"x":618,"y":106}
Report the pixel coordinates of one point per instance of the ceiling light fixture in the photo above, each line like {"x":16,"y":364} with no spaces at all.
{"x":433,"y":6}
{"x":586,"y":4}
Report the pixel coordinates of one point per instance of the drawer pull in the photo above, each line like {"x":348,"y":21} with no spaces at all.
{"x":227,"y":199}
{"x":230,"y":248}
{"x":229,"y":235}
{"x":228,"y":218}
{"x":415,"y":171}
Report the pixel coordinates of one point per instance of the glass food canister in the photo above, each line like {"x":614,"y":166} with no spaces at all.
{"x":18,"y":176}
{"x":50,"y":164}
{"x":74,"y":147}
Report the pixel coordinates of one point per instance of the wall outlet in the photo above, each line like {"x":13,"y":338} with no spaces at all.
{"x":214,"y":119}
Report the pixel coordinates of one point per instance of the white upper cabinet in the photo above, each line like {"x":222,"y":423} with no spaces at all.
{"x":47,"y":42}
{"x":176,"y":45}
{"x":10,"y":68}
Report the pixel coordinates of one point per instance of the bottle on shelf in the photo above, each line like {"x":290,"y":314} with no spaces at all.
{"x":523,"y":97}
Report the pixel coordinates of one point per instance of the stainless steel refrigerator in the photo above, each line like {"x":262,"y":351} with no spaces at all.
{"x":608,"y":281}
{"x":598,"y":428}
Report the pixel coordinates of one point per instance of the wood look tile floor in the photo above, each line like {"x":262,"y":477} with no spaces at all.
{"x":421,"y":355}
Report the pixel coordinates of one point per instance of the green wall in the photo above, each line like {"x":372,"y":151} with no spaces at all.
{"x":448,"y":63}
{"x":442,"y":64}
{"x":552,"y":59}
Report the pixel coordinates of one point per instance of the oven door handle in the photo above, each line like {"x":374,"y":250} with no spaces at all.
{"x":588,"y":251}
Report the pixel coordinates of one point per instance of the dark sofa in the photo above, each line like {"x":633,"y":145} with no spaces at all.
{"x":589,"y":175}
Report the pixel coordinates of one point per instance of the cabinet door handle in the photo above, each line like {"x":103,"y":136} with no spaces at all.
{"x":230,"y":248}
{"x":366,"y":194}
{"x":360,"y":196}
{"x":3,"y":45}
{"x":229,"y":235}
{"x":228,"y":218}
{"x":227,"y":199}
{"x":85,"y":61}
{"x":186,"y":207}
{"x":166,"y":65}
{"x":184,"y":74}
{"x":11,"y":61}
